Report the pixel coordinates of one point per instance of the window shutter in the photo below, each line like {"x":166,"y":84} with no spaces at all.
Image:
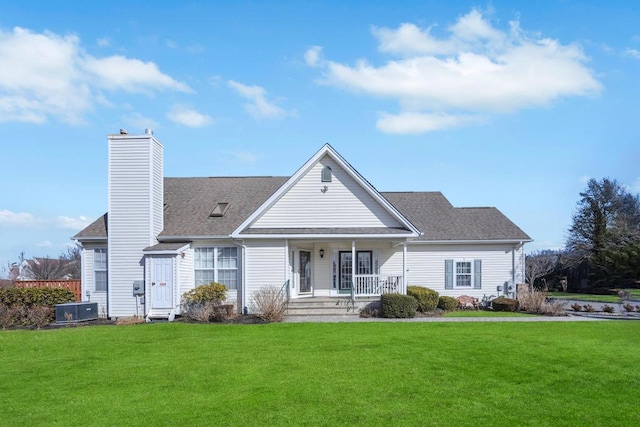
{"x":448,"y":274}
{"x":334,"y":267}
{"x":376,"y":267}
{"x":477,"y":273}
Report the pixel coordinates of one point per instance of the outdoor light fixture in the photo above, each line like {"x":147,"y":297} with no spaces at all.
{"x":321,"y":253}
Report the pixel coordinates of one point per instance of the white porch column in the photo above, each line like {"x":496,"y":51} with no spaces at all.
{"x":287,"y":264}
{"x":404,"y":267}
{"x":353,"y":262}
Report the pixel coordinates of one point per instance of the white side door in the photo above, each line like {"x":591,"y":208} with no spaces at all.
{"x":161,"y":282}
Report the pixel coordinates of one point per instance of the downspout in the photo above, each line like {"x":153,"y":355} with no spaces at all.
{"x":513,"y":270}
{"x":287,"y":270}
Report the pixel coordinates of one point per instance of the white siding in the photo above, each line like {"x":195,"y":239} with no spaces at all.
{"x":344,"y":204}
{"x":185,"y":271}
{"x":88,"y":279}
{"x":426,"y":266}
{"x":265,"y":266}
{"x":135,"y":212}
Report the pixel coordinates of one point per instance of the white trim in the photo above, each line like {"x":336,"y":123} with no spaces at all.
{"x":326,"y":150}
{"x":466,"y":242}
{"x":324,"y":236}
{"x":168,"y":251}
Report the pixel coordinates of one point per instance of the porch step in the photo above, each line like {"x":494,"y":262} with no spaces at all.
{"x":326,"y":306}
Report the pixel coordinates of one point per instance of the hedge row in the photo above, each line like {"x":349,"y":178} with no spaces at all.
{"x":30,"y":297}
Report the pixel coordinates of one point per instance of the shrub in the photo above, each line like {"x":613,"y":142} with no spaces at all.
{"x":213,"y":292}
{"x":447,"y":303}
{"x":638,"y":308}
{"x":39,"y":316}
{"x":628,"y":307}
{"x":368,"y":310}
{"x":532,"y":300}
{"x":588,"y":308}
{"x":608,"y":309}
{"x":30,"y":297}
{"x":427,"y":298}
{"x":465,"y":302}
{"x":11,"y":316}
{"x":505,"y":304}
{"x":270,"y":303}
{"x":398,"y":306}
{"x":576,"y":307}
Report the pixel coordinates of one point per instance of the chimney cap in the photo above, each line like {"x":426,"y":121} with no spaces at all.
{"x":123,"y":132}
{"x":148,"y":131}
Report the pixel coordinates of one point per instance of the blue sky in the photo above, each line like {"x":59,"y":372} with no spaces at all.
{"x":506,"y":104}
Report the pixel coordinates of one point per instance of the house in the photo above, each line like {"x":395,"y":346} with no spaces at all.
{"x":325,"y":231}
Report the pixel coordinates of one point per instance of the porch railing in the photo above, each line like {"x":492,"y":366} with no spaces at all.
{"x":369,"y":285}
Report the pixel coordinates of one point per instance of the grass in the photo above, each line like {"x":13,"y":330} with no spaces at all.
{"x":485,"y":313}
{"x":635,"y":294}
{"x":427,"y":374}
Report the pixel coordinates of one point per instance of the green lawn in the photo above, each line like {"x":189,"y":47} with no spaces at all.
{"x":635,"y":294}
{"x":416,"y":374}
{"x":485,"y":313}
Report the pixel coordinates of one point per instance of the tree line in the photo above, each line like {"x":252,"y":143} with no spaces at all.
{"x":602,"y":249}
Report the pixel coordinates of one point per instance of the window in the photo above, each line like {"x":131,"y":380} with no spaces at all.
{"x":100,"y":269}
{"x":219,"y":210}
{"x":217,"y":264}
{"x":463,"y":274}
{"x":326,"y":174}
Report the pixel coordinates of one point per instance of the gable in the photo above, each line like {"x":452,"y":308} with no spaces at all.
{"x":311,"y":203}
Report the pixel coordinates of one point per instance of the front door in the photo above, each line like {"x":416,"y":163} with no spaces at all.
{"x":161,"y":282}
{"x":364,"y":266}
{"x":305,"y":272}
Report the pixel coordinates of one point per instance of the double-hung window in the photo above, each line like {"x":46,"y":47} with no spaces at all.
{"x":463,"y":274}
{"x":100,"y":269}
{"x":216,"y":264}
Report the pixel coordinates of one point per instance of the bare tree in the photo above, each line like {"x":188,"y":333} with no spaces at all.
{"x":46,"y":269}
{"x":72,"y":259}
{"x":539,"y":264}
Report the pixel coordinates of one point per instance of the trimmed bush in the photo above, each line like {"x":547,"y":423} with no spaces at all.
{"x":447,"y":303}
{"x":427,"y":298}
{"x":213,"y":292}
{"x":505,"y":304}
{"x":398,"y":306}
{"x":204,"y":303}
{"x":30,"y":297}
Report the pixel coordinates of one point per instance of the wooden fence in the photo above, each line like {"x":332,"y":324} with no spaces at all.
{"x":74,"y":285}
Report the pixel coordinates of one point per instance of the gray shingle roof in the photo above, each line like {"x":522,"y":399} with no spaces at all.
{"x":353,"y":230}
{"x":438,"y":220}
{"x":97,"y":229}
{"x":190,"y":201}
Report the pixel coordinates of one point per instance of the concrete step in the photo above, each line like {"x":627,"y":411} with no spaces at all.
{"x":326,"y":306}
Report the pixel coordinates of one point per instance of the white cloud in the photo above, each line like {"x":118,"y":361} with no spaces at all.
{"x":23,"y":219}
{"x":137,"y":120}
{"x":189,"y":117}
{"x":244,"y":156}
{"x":476,"y":70}
{"x":45,"y":75}
{"x":44,"y":244}
{"x":130,"y":75}
{"x":313,"y":56}
{"x":584,"y":179}
{"x":258,"y":107}
{"x":635,"y":187}
{"x":103,"y":42}
{"x":412,"y":122}
{"x":634,"y":53}
{"x":71,"y":223}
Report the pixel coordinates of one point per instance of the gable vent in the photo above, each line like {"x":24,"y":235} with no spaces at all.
{"x":219,"y":210}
